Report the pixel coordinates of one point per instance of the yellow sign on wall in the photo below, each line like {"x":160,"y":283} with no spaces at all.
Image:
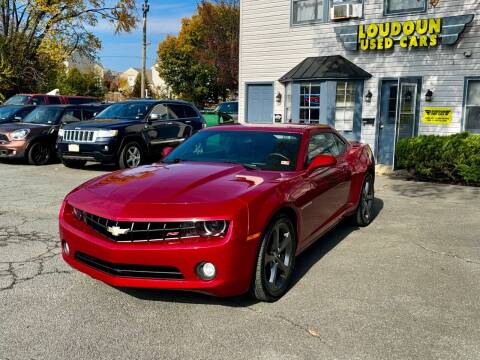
{"x":438,"y":116}
{"x":409,"y":34}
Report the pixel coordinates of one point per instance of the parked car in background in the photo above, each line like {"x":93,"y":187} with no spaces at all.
{"x":127,"y":133}
{"x":226,"y":212}
{"x":14,"y":113}
{"x":43,"y":99}
{"x":228,"y":112}
{"x":33,"y":138}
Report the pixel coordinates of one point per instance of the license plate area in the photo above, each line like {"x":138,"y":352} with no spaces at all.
{"x":73,"y":148}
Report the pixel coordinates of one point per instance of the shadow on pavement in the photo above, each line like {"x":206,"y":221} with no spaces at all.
{"x":303,"y":264}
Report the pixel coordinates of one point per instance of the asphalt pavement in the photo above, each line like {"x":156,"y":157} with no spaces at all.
{"x":406,"y":287}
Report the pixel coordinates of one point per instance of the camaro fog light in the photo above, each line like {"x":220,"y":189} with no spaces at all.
{"x":206,"y":271}
{"x":66,"y":248}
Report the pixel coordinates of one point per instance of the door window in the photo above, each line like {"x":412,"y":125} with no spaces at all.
{"x":176,"y":111}
{"x":189,"y":112}
{"x":310,"y":103}
{"x":162,"y":112}
{"x":88,"y":114}
{"x":407,"y":112}
{"x":345,"y":106}
{"x":38,"y":100}
{"x":472,"y":104}
{"x":54,"y":100}
{"x":324,"y":144}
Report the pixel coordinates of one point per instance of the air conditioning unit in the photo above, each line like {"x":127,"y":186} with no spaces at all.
{"x":346,"y":11}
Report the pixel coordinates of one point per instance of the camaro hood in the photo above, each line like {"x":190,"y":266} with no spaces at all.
{"x":174,"y":188}
{"x":102,"y":124}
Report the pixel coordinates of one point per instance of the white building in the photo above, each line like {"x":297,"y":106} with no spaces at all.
{"x":377,"y":70}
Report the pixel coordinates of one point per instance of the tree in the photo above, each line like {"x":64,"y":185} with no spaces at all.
{"x":75,"y":83}
{"x":201,"y":63}
{"x":36,"y":36}
{"x":137,"y":87}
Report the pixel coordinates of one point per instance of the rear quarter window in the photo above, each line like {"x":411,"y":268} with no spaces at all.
{"x":190,"y":113}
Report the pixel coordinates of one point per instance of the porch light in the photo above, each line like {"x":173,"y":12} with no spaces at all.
{"x":279,"y":98}
{"x":429,"y":95}
{"x":368,"y":97}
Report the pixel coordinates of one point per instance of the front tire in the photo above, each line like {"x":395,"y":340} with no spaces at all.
{"x":364,"y":214}
{"x":275,"y":261}
{"x":39,"y":154}
{"x":131,"y":156}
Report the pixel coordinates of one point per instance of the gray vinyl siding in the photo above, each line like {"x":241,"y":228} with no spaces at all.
{"x":271,"y":46}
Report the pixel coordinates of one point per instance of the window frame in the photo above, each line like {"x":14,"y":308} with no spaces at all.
{"x":344,"y":107}
{"x":405,"y":11}
{"x":310,"y":107}
{"x":465,"y":103}
{"x":326,"y":16}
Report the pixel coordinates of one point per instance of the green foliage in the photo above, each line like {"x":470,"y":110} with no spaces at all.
{"x":137,"y":87}
{"x":75,"y":83}
{"x":201,"y":64}
{"x":450,"y":158}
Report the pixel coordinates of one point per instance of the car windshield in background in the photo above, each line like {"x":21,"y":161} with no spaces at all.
{"x":6,"y":112}
{"x":44,"y":115}
{"x":255,"y":150}
{"x":18,"y":100}
{"x":125,"y":111}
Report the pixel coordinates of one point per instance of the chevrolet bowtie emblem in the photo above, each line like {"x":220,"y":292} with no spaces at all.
{"x":116,"y":231}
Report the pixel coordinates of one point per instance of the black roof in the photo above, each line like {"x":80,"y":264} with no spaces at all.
{"x":326,"y":68}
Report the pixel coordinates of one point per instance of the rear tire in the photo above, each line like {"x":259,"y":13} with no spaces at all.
{"x":364,"y":214}
{"x":275,"y":260}
{"x":74,"y":164}
{"x":39,"y":154}
{"x":131,"y":156}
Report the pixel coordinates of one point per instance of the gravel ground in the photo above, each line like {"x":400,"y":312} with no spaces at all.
{"x":407,"y":287}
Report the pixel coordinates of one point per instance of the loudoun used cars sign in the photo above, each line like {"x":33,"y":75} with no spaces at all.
{"x":421,"y":33}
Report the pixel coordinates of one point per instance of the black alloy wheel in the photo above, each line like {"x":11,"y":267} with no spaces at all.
{"x":131,"y":156}
{"x":275,"y":261}
{"x":364,"y":214}
{"x":39,"y":154}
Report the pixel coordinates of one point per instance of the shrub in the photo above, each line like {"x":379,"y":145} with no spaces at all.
{"x":444,"y":158}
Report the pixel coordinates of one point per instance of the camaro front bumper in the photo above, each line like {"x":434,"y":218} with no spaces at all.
{"x":161,"y":265}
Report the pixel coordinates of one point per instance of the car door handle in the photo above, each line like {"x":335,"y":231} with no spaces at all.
{"x":188,"y":121}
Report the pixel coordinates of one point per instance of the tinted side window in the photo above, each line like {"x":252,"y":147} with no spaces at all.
{"x":38,"y":100}
{"x":189,"y":112}
{"x":162,"y":111}
{"x":53,"y":100}
{"x":324,"y":144}
{"x":176,"y":111}
{"x":231,"y":108}
{"x":89,"y":114}
{"x":24,"y":112}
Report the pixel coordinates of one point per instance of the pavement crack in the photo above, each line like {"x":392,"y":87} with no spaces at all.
{"x":443,"y":253}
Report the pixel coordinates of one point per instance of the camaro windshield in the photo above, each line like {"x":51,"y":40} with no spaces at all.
{"x":125,"y":111}
{"x":44,"y":115}
{"x":275,"y":151}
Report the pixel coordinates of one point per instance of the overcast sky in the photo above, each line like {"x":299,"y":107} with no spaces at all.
{"x":125,"y":50}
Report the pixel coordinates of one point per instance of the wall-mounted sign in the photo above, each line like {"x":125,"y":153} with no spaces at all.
{"x":437,"y":116}
{"x":422,"y":33}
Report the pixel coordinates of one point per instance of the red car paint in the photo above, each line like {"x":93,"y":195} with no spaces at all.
{"x":208,"y":191}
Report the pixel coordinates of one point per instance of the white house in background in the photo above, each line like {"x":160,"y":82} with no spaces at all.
{"x":84,"y":65}
{"x":377,"y":70}
{"x":157,"y":84}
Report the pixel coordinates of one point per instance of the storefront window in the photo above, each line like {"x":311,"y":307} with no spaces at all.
{"x":404,"y":6}
{"x":472,"y":111}
{"x":345,"y":106}
{"x":309,"y":10}
{"x":310,"y":103}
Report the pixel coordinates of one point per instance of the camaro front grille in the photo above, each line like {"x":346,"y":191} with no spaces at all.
{"x":120,"y":231}
{"x":129,"y":270}
{"x":79,"y":136}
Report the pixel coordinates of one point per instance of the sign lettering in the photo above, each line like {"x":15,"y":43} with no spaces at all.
{"x":437,"y":116}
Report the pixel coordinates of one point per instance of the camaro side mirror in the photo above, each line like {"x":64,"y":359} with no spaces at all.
{"x":166,"y":151}
{"x":322,"y":161}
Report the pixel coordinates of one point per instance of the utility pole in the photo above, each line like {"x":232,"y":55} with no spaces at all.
{"x":146,"y":9}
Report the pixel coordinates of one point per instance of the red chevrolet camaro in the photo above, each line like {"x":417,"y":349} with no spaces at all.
{"x":226,"y":212}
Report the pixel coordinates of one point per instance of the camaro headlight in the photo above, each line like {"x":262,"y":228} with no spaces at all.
{"x":212,"y":228}
{"x":107,"y":133}
{"x":79,"y":214}
{"x":20,"y":134}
